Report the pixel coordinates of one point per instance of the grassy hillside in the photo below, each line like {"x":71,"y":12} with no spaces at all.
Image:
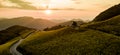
{"x":64,"y":42}
{"x":65,"y":24}
{"x":4,"y":49}
{"x":109,"y":13}
{"x":12,"y":32}
{"x":10,"y":39}
{"x":111,"y":25}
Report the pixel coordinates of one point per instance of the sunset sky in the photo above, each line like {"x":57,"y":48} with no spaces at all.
{"x":84,"y":9}
{"x":75,"y":4}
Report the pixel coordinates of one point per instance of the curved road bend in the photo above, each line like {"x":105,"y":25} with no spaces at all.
{"x":13,"y":48}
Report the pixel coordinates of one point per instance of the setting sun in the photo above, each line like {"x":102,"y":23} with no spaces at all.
{"x":48,"y":12}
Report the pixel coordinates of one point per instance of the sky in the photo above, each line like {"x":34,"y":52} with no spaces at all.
{"x":68,"y":9}
{"x":74,"y":4}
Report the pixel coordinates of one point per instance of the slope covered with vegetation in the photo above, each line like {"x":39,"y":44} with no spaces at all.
{"x":67,"y":42}
{"x":109,"y":13}
{"x":111,"y":25}
{"x":5,"y":48}
{"x":12,"y":32}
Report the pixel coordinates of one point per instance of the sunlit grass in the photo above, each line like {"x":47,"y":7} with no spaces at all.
{"x":5,"y":48}
{"x":91,"y":42}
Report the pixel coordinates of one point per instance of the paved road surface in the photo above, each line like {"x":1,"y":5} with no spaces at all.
{"x":13,"y":48}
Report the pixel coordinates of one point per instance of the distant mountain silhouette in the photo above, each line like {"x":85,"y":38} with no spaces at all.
{"x":109,"y":13}
{"x":27,"y":22}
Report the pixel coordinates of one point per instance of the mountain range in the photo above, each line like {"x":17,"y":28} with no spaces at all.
{"x":27,"y":22}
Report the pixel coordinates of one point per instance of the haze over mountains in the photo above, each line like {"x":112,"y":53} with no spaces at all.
{"x":27,"y":22}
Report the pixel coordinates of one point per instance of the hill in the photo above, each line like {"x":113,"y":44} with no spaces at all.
{"x":12,"y":32}
{"x":4,"y":48}
{"x":112,"y":25}
{"x":72,"y":42}
{"x":64,"y":24}
{"x":27,"y":22}
{"x":69,"y":23}
{"x":109,"y":13}
{"x":99,"y":37}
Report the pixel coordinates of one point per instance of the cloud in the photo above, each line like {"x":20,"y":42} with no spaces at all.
{"x":16,"y":4}
{"x":59,"y":4}
{"x":8,"y":3}
{"x":76,"y":1}
{"x":23,"y":4}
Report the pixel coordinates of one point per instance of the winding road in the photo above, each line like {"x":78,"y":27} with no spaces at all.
{"x":13,"y":48}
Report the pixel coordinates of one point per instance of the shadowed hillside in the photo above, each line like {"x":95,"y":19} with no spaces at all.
{"x":112,"y":25}
{"x":12,"y":32}
{"x":109,"y":13}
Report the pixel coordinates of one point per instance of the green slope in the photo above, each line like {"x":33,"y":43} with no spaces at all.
{"x":64,"y":42}
{"x":13,"y":32}
{"x":109,"y":13}
{"x":111,"y":25}
{"x":7,"y":43}
{"x":4,"y":49}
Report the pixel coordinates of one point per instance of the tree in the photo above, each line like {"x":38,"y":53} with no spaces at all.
{"x":74,"y":24}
